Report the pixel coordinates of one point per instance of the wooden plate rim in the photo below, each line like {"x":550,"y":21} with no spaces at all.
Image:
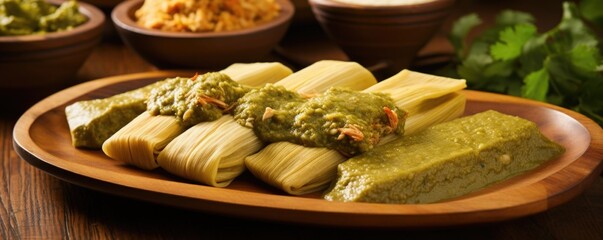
{"x":314,"y":211}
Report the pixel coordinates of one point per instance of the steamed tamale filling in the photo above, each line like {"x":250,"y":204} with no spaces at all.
{"x":444,"y":161}
{"x":348,"y":121}
{"x":93,"y":121}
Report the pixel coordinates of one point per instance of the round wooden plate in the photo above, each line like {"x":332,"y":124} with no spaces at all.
{"x":41,"y":137}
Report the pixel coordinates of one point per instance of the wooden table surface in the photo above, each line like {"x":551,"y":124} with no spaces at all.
{"x":36,"y":205}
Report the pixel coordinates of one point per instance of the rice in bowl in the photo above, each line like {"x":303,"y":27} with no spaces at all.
{"x":205,"y":15}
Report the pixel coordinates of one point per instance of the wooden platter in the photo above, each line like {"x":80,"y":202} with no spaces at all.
{"x":41,"y":137}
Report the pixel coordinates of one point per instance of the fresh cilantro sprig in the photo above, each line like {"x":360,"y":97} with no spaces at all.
{"x":562,"y":66}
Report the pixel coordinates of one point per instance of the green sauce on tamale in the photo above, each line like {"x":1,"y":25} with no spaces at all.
{"x":444,"y":161}
{"x":348,"y":121}
{"x":202,"y":98}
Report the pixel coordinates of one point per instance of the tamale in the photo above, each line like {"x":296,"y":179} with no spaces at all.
{"x":193,"y":149}
{"x":315,"y":78}
{"x":444,"y":161}
{"x":257,"y":74}
{"x":152,"y":135}
{"x":290,"y":170}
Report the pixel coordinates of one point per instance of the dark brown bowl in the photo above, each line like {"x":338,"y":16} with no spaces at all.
{"x":381,"y":37}
{"x":303,"y":13}
{"x":33,"y":66}
{"x":210,"y":50}
{"x":103,"y":4}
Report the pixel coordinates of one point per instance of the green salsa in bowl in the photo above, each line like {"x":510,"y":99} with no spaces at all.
{"x":37,"y":64}
{"x":24,"y":17}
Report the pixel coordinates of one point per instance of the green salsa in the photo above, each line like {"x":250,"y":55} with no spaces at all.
{"x":193,"y":100}
{"x":444,"y":161}
{"x":24,"y":17}
{"x":348,"y":121}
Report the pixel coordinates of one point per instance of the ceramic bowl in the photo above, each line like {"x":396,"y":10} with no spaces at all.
{"x":381,"y":37}
{"x":208,"y":50}
{"x":32,"y":66}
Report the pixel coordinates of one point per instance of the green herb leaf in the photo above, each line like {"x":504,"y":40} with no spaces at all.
{"x":571,"y":31}
{"x":564,"y":80}
{"x":585,"y":60}
{"x":459,"y":32}
{"x":477,"y":59}
{"x":533,"y":54}
{"x":511,"y":17}
{"x":471,"y":68}
{"x":591,"y":102}
{"x":593,"y":11}
{"x":536,"y":85}
{"x":562,"y":66}
{"x":511,"y":41}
